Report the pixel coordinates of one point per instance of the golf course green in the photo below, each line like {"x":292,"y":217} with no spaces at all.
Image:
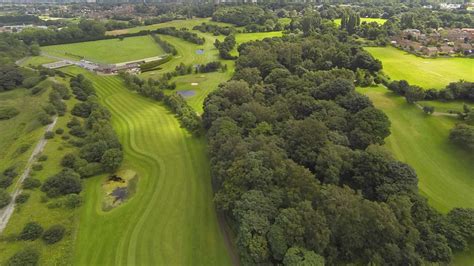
{"x":427,"y":73}
{"x":172,"y":212}
{"x":444,"y":170}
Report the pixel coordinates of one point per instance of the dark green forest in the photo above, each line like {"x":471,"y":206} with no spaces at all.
{"x":298,"y":168}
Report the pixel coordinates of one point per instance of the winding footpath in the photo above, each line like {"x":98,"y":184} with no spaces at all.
{"x":6,"y":213}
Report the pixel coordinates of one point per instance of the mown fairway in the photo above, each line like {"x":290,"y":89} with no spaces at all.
{"x":107,"y":51}
{"x":171,"y":218}
{"x":427,"y":73}
{"x":444,"y":170}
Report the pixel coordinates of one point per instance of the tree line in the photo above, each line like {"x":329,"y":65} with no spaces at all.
{"x":214,"y":29}
{"x":166,"y":46}
{"x":154,"y":89}
{"x":182,"y":34}
{"x":225,"y":47}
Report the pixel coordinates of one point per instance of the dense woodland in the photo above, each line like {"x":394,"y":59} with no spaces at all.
{"x":298,"y":168}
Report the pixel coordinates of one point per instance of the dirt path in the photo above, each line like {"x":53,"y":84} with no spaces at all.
{"x":437,"y":113}
{"x":7,"y":212}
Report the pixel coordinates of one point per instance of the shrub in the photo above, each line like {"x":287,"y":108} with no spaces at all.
{"x":27,"y":256}
{"x":54,"y":234}
{"x":49,"y":135}
{"x":49,"y":109}
{"x":30,"y":82}
{"x":72,"y":201}
{"x":5,"y":198}
{"x":7,"y":177}
{"x":65,"y":137}
{"x":43,"y":158}
{"x":10,"y":171}
{"x":463,"y":135}
{"x":7,"y":112}
{"x":59,"y":131}
{"x":74,"y":122}
{"x":22,"y":198}
{"x":68,"y":160}
{"x":90,"y":169}
{"x":44,"y":119}
{"x":111,"y":159}
{"x":65,"y":182}
{"x":37,"y":167}
{"x":31,"y":183}
{"x":78,"y":131}
{"x":36,"y":90}
{"x":31,"y":231}
{"x":22,"y":149}
{"x":5,"y":181}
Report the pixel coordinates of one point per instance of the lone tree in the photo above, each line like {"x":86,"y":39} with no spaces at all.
{"x":428,"y":109}
{"x":31,"y":231}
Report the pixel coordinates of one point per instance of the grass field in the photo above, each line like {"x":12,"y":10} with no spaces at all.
{"x":444,"y":170}
{"x":108,"y":51}
{"x":171,"y":219}
{"x":427,"y":73}
{"x":379,"y":21}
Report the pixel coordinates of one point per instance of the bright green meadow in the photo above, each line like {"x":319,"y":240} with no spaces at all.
{"x":427,"y":73}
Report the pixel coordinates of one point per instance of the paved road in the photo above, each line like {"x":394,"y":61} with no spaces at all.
{"x":6,"y":213}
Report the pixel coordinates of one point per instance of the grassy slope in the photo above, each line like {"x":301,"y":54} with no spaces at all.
{"x":444,"y":170}
{"x":108,"y":51}
{"x":172,"y":212}
{"x":35,"y":209}
{"x":428,"y":73}
{"x":24,"y":129}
